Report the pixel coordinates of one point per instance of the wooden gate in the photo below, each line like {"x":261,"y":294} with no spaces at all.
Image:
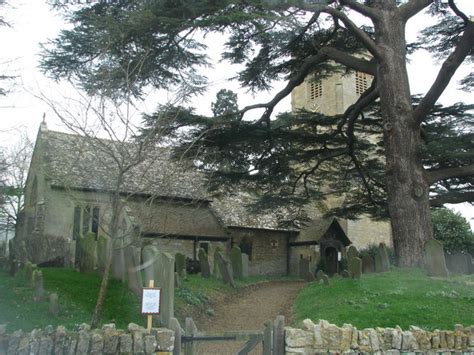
{"x":271,"y":337}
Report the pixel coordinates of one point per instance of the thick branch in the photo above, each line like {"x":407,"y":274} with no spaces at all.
{"x":411,"y":8}
{"x":350,"y":61}
{"x":361,"y":35}
{"x":452,"y":197}
{"x":361,"y":9}
{"x":435,"y":175}
{"x":458,"y":12}
{"x":449,"y":67}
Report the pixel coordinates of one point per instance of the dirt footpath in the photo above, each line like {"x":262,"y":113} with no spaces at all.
{"x":248,"y":310}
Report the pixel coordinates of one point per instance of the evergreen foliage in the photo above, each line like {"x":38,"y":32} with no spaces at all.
{"x":453,"y":230}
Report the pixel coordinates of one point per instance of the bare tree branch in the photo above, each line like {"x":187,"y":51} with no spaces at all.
{"x":449,"y":67}
{"x":361,"y":9}
{"x":458,"y":12}
{"x":452,"y":197}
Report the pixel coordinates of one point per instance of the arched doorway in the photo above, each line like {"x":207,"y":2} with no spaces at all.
{"x":330,"y":253}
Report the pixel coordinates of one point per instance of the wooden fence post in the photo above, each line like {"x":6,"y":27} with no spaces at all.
{"x":178,"y":332}
{"x":267,"y":338}
{"x":279,"y":336}
{"x":190,"y":330}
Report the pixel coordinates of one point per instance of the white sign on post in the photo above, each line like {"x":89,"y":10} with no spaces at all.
{"x":151,"y":300}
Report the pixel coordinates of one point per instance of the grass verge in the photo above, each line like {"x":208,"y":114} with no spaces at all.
{"x":401,"y":297}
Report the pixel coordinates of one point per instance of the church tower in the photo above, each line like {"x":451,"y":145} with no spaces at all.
{"x":330,"y":96}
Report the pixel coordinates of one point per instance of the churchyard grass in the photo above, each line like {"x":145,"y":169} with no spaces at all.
{"x":77,"y":296}
{"x":401,"y":297}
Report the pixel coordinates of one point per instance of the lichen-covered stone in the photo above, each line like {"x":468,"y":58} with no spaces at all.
{"x":126,"y":344}
{"x":111,"y":341}
{"x":450,"y":340}
{"x":409,"y":342}
{"x":83,"y":342}
{"x":422,"y":338}
{"x":150,"y":344}
{"x":97,"y":343}
{"x":435,"y":340}
{"x":308,"y":325}
{"x":298,"y":338}
{"x":14,"y":341}
{"x":46,"y":346}
{"x":165,"y":339}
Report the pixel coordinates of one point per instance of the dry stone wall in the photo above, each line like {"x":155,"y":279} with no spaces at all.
{"x":108,"y":340}
{"x":323,"y":337}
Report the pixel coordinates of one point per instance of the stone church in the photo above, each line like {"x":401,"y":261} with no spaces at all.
{"x":73,"y":186}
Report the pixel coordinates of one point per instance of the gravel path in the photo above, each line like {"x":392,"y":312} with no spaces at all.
{"x":247,"y":310}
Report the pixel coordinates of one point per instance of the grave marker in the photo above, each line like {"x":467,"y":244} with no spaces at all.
{"x":367,"y":264}
{"x":224,"y":269}
{"x":434,"y":260}
{"x":165,"y":281}
{"x":352,"y":252}
{"x":355,"y":267}
{"x":180,"y":264}
{"x":204,"y":263}
{"x":236,"y":260}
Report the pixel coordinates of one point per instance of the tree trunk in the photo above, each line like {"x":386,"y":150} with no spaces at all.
{"x":407,"y":189}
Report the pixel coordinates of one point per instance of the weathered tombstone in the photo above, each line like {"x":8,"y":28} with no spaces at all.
{"x":382,"y":263}
{"x":87,"y":245}
{"x":224,"y":270}
{"x":304,"y":272}
{"x":326,"y":279}
{"x":70,"y":260}
{"x":177,"y":280}
{"x":102,"y":245}
{"x":134,"y":276}
{"x":53,"y":304}
{"x":345,"y":274}
{"x":180,"y":264}
{"x":28,"y":270}
{"x":216,"y":271}
{"x":165,"y":280}
{"x":434,"y":260}
{"x":13,"y":267}
{"x":355,"y":267}
{"x":149,"y":257}
{"x":367,"y":264}
{"x":39,"y":289}
{"x":204,"y":263}
{"x":352,"y":252}
{"x":458,"y":263}
{"x":319,"y":275}
{"x":118,"y":262}
{"x":236,"y":260}
{"x":245,"y":265}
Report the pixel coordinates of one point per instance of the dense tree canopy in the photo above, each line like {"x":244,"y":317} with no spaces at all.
{"x":428,"y":149}
{"x":453,"y":231}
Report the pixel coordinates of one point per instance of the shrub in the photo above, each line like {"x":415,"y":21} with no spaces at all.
{"x":453,"y":230}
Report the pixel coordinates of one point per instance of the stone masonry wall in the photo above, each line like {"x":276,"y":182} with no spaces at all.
{"x":108,"y":340}
{"x":328,"y":338}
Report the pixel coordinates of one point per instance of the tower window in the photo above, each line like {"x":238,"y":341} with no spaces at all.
{"x":362,"y":82}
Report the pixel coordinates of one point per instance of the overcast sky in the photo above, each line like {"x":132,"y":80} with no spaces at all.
{"x":33,"y":22}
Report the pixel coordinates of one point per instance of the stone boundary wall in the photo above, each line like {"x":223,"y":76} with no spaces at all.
{"x":325,"y":338}
{"x":108,"y":340}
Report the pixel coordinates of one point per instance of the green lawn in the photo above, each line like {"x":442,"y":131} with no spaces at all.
{"x":402,"y":297}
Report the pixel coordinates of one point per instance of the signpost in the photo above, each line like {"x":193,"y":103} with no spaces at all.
{"x":151,"y":302}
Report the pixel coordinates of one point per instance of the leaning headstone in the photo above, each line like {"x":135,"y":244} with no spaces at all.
{"x":165,"y":280}
{"x":355,"y":267}
{"x":149,"y":257}
{"x":457,"y":263}
{"x":39,"y":289}
{"x":180,"y":264}
{"x":326,"y":279}
{"x":245,"y":265}
{"x":367,"y":264}
{"x":224,"y":270}
{"x":236,"y":260}
{"x":102,"y":245}
{"x":352,"y":252}
{"x":382,"y":261}
{"x":434,"y":260}
{"x":87,"y":245}
{"x":53,"y":304}
{"x":134,"y":276}
{"x":204,"y":263}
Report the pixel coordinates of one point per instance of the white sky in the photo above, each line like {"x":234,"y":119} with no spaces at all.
{"x":33,"y":22}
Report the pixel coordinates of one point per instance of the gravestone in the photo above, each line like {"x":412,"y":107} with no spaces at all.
{"x":88,"y":250}
{"x":352,"y":252}
{"x":355,"y":267}
{"x":224,"y":269}
{"x":39,"y":288}
{"x":216,"y":271}
{"x":245,"y":265}
{"x":236,"y":260}
{"x":382,"y":261}
{"x":71,"y":256}
{"x":319,"y":275}
{"x":53,"y":304}
{"x":434,"y":260}
{"x":345,"y":274}
{"x":165,"y":280}
{"x":102,"y":245}
{"x":180,"y":264}
{"x":134,"y":276}
{"x":149,"y":257}
{"x":367,"y":264}
{"x":304,"y":272}
{"x":457,"y":263}
{"x":204,"y":263}
{"x":326,"y":279}
{"x":28,"y":270}
{"x":118,"y":263}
